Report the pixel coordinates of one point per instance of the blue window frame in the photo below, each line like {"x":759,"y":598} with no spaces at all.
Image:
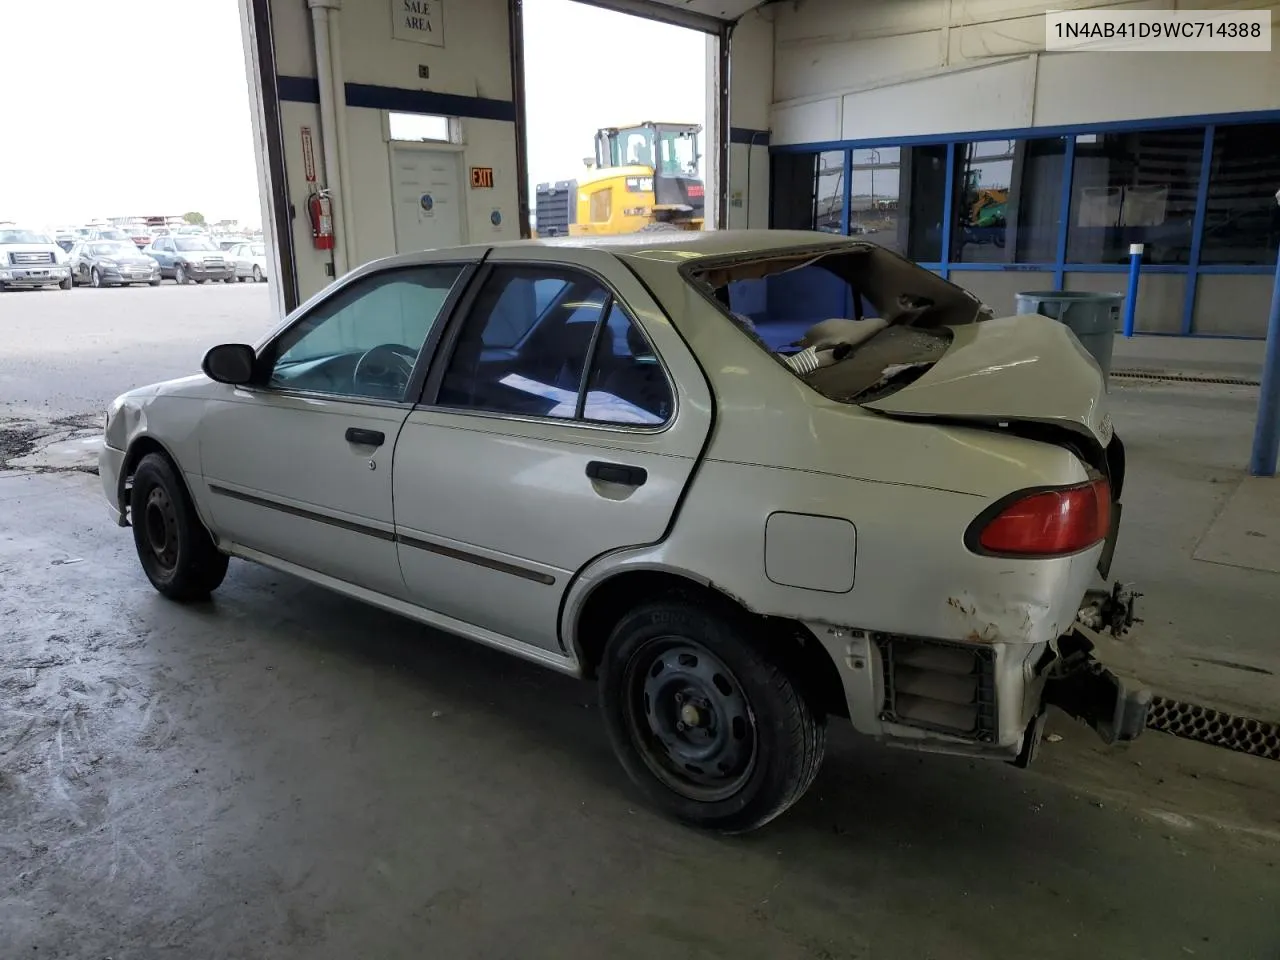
{"x":1213,"y":229}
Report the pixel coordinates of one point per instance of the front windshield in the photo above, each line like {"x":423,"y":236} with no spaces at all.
{"x":194,"y":243}
{"x":113,"y":248}
{"x":112,"y":235}
{"x":678,"y":153}
{"x":22,"y":236}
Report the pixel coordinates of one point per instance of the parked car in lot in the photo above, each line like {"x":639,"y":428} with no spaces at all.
{"x":191,"y":258}
{"x":109,"y":233}
{"x":250,"y":261}
{"x":30,"y":258}
{"x":748,"y":480}
{"x":140,"y":234}
{"x":112,"y":263}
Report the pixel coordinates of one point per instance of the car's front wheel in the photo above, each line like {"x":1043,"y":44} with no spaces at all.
{"x":176,"y":551}
{"x":709,"y":726}
{"x":95,"y":278}
{"x":257,"y":273}
{"x":180,"y":274}
{"x":66,"y":284}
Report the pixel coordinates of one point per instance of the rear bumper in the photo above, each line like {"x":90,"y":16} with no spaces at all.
{"x":978,"y":699}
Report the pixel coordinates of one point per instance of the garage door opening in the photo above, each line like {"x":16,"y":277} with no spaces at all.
{"x":618,"y":128}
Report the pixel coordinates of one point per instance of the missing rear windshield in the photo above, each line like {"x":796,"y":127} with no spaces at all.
{"x":856,"y":323}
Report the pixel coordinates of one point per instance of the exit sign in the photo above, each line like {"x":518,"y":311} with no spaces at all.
{"x":482,"y":178}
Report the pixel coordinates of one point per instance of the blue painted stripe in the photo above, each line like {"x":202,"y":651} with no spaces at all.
{"x":749,"y":137}
{"x":1023,"y":133}
{"x":371,"y":96}
{"x":1229,"y":269}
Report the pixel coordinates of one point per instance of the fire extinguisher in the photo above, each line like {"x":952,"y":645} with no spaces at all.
{"x":320,"y":209}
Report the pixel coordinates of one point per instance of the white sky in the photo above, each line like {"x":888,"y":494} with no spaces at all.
{"x":141,"y":106}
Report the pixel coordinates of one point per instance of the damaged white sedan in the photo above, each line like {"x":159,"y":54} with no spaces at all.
{"x":746,"y":480}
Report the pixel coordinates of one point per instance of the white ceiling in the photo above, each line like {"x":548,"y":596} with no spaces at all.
{"x":709,"y":15}
{"x":720,"y":9}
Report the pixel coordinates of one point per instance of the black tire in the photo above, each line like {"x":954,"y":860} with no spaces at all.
{"x":180,"y":274}
{"x":176,"y":551}
{"x":66,"y":284}
{"x":748,"y":718}
{"x":95,"y":278}
{"x":257,"y":274}
{"x":153,"y":283}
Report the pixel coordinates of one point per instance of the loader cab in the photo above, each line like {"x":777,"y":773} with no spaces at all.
{"x":671,"y":151}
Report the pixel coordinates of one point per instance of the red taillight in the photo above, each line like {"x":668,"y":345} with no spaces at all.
{"x":1050,"y":523}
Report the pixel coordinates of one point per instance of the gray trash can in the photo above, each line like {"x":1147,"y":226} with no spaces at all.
{"x":1093,"y":317}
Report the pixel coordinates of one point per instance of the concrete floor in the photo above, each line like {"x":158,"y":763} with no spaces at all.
{"x":284,"y":773}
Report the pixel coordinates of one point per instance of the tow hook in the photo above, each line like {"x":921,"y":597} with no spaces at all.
{"x":1111,"y":611}
{"x":1084,"y":689}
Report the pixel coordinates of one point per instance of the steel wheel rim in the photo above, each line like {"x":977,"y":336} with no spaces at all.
{"x":689,"y":719}
{"x":160,"y":526}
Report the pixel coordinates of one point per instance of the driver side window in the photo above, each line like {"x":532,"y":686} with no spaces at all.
{"x":364,"y":341}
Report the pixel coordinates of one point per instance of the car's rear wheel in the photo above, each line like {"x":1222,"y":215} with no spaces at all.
{"x":180,"y":275}
{"x":710,"y":727}
{"x":176,"y":551}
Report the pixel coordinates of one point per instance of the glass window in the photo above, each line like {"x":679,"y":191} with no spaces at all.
{"x":364,"y":341}
{"x":1242,"y":219}
{"x":417,"y":126}
{"x":633,"y":146}
{"x":678,"y":153}
{"x":1137,"y":187}
{"x":926,"y":172}
{"x":984,"y":175}
{"x":627,"y":384}
{"x":1038,"y":199}
{"x":513,"y":356}
{"x":873,"y":203}
{"x":828,"y":192}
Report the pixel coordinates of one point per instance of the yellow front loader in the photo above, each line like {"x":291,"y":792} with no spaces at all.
{"x":643,"y":177}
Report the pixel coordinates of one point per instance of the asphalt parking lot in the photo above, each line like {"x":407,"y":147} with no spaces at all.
{"x":286,"y":773}
{"x":67,"y":353}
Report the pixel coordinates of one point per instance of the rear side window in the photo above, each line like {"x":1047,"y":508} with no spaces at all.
{"x":547,"y":342}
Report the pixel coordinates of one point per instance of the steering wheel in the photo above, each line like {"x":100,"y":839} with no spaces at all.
{"x":385,"y":369}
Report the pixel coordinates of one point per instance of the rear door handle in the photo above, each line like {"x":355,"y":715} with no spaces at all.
{"x":368,"y":438}
{"x":617,"y":473}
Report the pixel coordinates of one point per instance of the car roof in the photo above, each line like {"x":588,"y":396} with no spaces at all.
{"x":685,"y":245}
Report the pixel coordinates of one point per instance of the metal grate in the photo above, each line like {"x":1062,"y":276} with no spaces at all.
{"x":24,"y":259}
{"x":1190,"y":721}
{"x":1182,"y":378}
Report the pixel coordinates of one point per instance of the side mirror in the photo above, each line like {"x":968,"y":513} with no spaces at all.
{"x":231,"y":363}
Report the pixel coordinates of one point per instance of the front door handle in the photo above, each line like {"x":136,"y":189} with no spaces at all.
{"x":367,"y":438}
{"x":617,"y":473}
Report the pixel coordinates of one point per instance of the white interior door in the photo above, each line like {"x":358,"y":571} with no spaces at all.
{"x":427,"y":194}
